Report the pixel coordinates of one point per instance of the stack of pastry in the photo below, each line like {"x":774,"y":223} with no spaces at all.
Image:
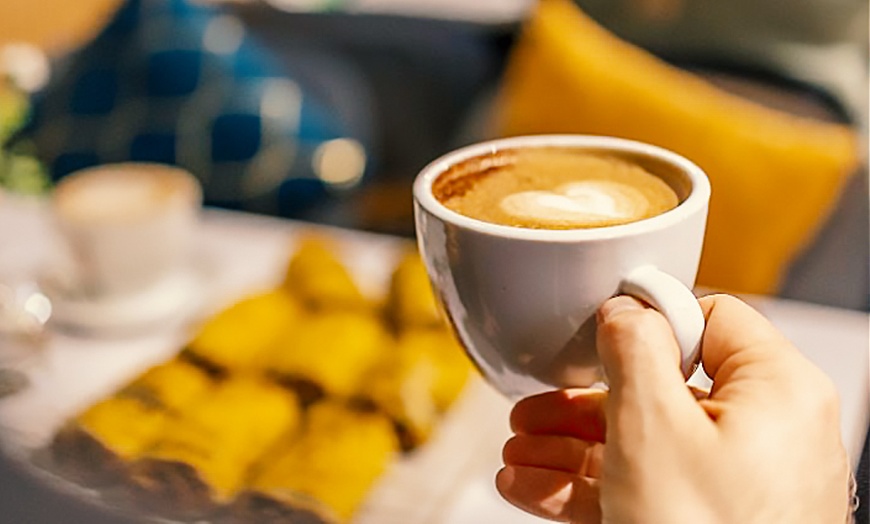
{"x":287,"y":405}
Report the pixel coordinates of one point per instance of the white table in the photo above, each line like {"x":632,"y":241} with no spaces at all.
{"x":247,"y":252}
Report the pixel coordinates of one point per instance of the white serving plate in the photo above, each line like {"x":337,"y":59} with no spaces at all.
{"x":244,"y":254}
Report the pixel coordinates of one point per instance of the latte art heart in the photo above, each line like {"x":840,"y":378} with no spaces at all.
{"x":584,"y":201}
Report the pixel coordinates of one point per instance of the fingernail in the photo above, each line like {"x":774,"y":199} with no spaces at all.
{"x":616,"y":305}
{"x":505,"y":477}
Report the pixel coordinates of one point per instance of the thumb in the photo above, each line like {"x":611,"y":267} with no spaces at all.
{"x":749,"y":358}
{"x":641,"y":359}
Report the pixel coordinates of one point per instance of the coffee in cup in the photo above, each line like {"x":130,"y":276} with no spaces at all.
{"x":553,"y":188}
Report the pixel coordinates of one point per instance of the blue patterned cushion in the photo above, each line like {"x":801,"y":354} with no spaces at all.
{"x":178,"y":83}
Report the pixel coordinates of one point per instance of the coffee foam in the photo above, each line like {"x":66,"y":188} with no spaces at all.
{"x":553,"y":188}
{"x":588,"y":202}
{"x":118,"y":193}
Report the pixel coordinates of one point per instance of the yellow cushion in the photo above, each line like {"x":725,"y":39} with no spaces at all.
{"x":775,"y":176}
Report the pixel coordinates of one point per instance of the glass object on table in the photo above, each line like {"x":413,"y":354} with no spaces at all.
{"x":24,"y":311}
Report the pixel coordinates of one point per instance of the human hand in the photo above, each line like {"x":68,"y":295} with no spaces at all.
{"x":763,"y":447}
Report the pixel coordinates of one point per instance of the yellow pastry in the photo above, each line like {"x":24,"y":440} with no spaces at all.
{"x":331,"y":350}
{"x":202,"y":460}
{"x":317,"y":277}
{"x":333,"y":464}
{"x":173,"y":385}
{"x":411,"y":302}
{"x":97,"y":445}
{"x":452,"y":368}
{"x":238,"y":337}
{"x":418,"y":381}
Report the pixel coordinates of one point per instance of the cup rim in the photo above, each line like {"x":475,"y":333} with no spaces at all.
{"x":188,"y":196}
{"x":696,"y":201}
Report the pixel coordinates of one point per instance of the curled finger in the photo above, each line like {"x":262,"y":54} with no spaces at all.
{"x":578,"y":457}
{"x":577,"y":413}
{"x":551,"y":494}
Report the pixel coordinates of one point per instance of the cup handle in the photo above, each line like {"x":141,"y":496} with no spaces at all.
{"x":679,"y":306}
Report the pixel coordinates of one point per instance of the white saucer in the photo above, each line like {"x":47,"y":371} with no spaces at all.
{"x":168,"y":302}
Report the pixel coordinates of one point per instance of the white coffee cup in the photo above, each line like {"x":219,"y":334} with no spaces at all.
{"x":123,"y":227}
{"x":523,"y":301}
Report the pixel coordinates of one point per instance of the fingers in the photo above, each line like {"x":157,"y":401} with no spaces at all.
{"x":551,"y":494}
{"x":577,"y":413}
{"x":566,"y":454}
{"x":553,"y":461}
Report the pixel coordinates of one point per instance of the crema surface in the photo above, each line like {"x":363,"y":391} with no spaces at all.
{"x":553,"y":188}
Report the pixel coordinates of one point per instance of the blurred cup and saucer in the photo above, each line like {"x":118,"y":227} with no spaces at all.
{"x":124,"y":257}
